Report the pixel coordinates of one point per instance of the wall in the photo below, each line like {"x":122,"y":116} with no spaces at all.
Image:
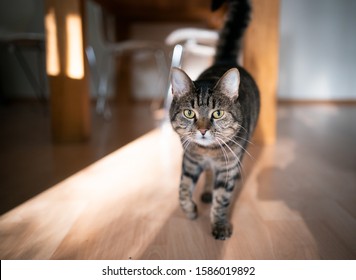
{"x":317,"y":49}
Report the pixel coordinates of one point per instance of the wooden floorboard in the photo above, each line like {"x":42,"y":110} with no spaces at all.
{"x":297,"y":199}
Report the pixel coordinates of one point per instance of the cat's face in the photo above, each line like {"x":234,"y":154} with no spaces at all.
{"x":207,"y":118}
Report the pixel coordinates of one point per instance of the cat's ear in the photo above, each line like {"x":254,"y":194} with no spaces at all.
{"x":229,"y":83}
{"x":181,"y":83}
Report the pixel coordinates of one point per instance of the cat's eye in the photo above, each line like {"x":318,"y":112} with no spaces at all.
{"x":218,"y":114}
{"x":189,"y":114}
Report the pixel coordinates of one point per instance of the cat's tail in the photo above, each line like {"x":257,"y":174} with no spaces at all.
{"x":230,"y":38}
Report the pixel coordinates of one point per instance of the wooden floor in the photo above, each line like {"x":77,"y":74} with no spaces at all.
{"x":29,"y":161}
{"x":298,"y":197}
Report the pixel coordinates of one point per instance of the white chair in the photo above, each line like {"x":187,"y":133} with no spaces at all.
{"x":189,"y":42}
{"x":194,"y":40}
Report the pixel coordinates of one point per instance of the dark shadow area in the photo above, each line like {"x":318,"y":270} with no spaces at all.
{"x":30,"y":163}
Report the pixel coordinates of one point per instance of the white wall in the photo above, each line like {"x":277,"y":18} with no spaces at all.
{"x":317,"y":49}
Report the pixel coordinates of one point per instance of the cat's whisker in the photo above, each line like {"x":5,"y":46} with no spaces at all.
{"x":244,"y":139}
{"x":239,"y":163}
{"x":235,"y":135}
{"x":186,"y":140}
{"x":232,"y":140}
{"x":224,"y":143}
{"x":185,"y":144}
{"x":243,"y":128}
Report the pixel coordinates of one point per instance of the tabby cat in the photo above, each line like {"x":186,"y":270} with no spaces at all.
{"x":214,"y":117}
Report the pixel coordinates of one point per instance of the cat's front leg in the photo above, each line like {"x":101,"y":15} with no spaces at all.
{"x":222,"y":196}
{"x":190,"y":176}
{"x":221,"y":227}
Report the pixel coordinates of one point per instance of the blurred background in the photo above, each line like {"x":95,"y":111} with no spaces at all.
{"x":316,"y":59}
{"x":127,"y":84}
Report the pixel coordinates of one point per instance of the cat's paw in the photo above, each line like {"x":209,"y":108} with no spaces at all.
{"x":222,"y":231}
{"x":207,"y":197}
{"x":191,"y":214}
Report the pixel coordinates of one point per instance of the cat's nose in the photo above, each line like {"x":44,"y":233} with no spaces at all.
{"x":203,"y":131}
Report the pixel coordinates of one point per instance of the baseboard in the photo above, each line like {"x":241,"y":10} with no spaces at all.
{"x":344,"y":102}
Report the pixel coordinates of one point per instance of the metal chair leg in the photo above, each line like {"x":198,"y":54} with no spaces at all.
{"x":175,"y":62}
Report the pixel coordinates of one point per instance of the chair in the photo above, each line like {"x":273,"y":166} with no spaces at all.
{"x":16,"y":43}
{"x":111,"y":51}
{"x":190,"y":42}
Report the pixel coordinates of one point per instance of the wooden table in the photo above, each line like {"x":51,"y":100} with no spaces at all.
{"x":65,"y":54}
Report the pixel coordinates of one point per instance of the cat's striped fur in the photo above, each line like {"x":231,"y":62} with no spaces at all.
{"x":215,"y":117}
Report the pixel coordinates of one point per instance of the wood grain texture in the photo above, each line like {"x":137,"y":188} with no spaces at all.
{"x":260,"y":58}
{"x":296,"y":200}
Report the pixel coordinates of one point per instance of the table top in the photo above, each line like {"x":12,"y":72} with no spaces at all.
{"x":162,"y":10}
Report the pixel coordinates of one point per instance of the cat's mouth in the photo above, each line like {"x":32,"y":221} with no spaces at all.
{"x":204,"y":139}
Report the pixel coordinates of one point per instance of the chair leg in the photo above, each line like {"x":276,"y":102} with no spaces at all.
{"x":162,"y":68}
{"x":175,"y":62}
{"x":37,"y":87}
{"x":102,"y":106}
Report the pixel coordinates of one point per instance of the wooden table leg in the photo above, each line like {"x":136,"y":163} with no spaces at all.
{"x":261,"y":60}
{"x":68,"y":82}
